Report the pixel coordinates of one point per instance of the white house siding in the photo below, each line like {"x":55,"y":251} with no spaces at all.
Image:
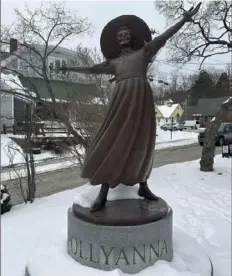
{"x":7,"y":110}
{"x":162,"y":121}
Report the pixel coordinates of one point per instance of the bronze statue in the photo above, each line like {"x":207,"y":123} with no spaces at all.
{"x":122,"y":151}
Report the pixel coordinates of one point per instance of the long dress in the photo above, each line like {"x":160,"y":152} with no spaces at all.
{"x":122,"y":151}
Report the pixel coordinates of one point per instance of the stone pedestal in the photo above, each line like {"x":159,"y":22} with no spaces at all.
{"x":127,"y":234}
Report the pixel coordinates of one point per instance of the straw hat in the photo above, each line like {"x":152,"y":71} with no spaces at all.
{"x":139,"y":29}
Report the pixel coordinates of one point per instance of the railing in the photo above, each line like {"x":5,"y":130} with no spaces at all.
{"x":9,"y":129}
{"x":35,"y":128}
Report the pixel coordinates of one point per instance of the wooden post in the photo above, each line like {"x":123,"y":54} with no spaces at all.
{"x":172,"y":127}
{"x":4,"y":128}
{"x":14,"y":129}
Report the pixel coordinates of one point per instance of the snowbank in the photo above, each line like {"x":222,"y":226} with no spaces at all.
{"x":165,"y":136}
{"x":201,"y":204}
{"x":12,"y":153}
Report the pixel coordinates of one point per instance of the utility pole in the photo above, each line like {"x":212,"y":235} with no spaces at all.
{"x":172,"y":126}
{"x":163,"y":84}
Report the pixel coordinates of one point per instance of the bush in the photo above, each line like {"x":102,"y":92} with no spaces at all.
{"x":5,"y":200}
{"x":58,"y":149}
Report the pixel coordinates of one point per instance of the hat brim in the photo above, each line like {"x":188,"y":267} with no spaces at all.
{"x":140,"y":33}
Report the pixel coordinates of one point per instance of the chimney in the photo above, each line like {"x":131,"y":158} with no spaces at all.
{"x":13,"y":45}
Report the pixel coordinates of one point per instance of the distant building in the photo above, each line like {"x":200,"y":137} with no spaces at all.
{"x":205,"y":110}
{"x":165,"y":113}
{"x":64,"y":87}
{"x":13,"y":100}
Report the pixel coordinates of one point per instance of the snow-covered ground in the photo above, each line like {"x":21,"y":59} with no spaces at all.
{"x":179,"y":138}
{"x":21,"y":172}
{"x":201,"y":204}
{"x":11,"y":153}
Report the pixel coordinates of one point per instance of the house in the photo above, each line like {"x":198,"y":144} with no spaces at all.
{"x":205,"y":110}
{"x":168,"y":112}
{"x":26,"y":65}
{"x":13,"y":100}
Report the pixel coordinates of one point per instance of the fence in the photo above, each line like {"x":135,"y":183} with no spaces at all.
{"x":9,"y":129}
{"x":37,"y":129}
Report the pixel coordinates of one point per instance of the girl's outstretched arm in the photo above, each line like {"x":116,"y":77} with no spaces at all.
{"x":101,"y":68}
{"x":158,"y":42}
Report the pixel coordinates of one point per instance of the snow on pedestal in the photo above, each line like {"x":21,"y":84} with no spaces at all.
{"x":86,"y":197}
{"x":201,"y":204}
{"x":189,"y":259}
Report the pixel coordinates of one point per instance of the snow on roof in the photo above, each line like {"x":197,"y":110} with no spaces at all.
{"x":230,"y":98}
{"x":14,"y":85}
{"x":12,"y":82}
{"x":166,"y":110}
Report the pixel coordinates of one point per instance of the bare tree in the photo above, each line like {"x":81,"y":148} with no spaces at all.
{"x":208,"y":150}
{"x":88,"y":115}
{"x":209,"y":35}
{"x":18,"y":172}
{"x":49,"y":26}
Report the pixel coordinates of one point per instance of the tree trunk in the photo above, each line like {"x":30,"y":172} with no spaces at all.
{"x":208,"y":150}
{"x":31,"y":185}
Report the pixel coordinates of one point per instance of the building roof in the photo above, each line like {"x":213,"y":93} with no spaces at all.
{"x":205,"y":107}
{"x":210,"y":106}
{"x":11,"y":83}
{"x":61,"y":90}
{"x":166,"y":110}
{"x":5,"y":55}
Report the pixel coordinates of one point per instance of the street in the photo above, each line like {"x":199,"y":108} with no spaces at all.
{"x":68,"y":178}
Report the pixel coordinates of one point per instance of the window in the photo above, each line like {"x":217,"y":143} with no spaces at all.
{"x":57,"y":63}
{"x":64,"y":62}
{"x":226,"y":128}
{"x":72,"y":62}
{"x":166,"y":120}
{"x":53,"y":63}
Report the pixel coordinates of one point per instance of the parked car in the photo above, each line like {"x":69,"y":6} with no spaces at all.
{"x":174,"y":126}
{"x":179,"y":126}
{"x":223,"y":136}
{"x":166,"y":127}
{"x":191,"y":124}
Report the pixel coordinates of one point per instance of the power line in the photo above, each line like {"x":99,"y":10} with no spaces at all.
{"x":166,"y":63}
{"x":179,"y":67}
{"x":195,"y":63}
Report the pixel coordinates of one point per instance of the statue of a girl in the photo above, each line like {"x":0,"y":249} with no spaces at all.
{"x":122,"y":151}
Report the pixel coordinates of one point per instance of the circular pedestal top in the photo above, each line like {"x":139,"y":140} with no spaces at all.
{"x":125,"y":212}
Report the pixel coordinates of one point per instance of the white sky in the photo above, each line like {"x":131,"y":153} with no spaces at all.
{"x":100,"y":13}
